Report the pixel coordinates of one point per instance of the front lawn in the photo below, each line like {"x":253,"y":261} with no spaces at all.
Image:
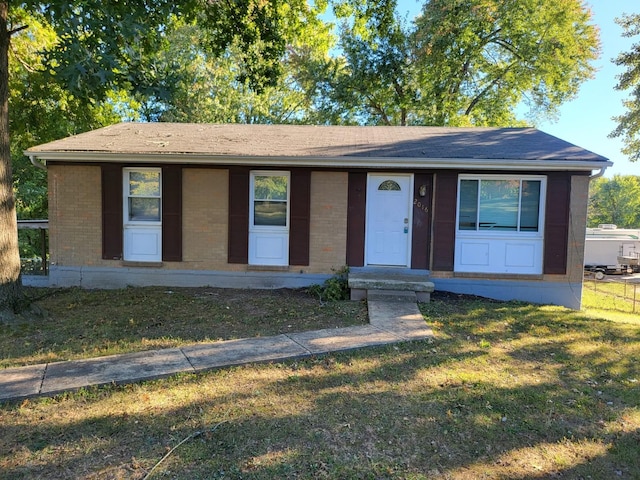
{"x":504,"y":390}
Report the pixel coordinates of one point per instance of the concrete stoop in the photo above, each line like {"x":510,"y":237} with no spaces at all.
{"x":393,"y":287}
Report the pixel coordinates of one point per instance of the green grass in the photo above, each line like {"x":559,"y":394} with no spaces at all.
{"x":504,"y":390}
{"x":613,"y":300}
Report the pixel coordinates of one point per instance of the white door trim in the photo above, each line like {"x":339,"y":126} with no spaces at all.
{"x":373,"y":181}
{"x":142,"y":238}
{"x":269,"y":244}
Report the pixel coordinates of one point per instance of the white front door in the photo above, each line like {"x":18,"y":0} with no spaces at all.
{"x":388,"y":232}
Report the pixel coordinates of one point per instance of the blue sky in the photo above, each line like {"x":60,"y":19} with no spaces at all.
{"x":586,"y":121}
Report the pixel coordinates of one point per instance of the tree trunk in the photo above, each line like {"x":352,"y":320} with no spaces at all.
{"x":10,"y":283}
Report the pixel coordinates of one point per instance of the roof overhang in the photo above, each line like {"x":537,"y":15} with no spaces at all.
{"x":388,"y":163}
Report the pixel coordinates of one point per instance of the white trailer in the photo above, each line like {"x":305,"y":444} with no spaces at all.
{"x":611,"y":250}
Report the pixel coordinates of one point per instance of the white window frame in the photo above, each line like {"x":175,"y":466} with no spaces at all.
{"x":501,"y":251}
{"x":268,"y":244}
{"x":125,"y":190}
{"x":252,"y":199}
{"x":142,"y":238}
{"x":491,"y":233}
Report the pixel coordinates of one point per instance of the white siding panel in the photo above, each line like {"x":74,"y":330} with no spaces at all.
{"x":519,"y":255}
{"x":499,"y":254}
{"x":474,"y":253}
{"x":143,"y":244}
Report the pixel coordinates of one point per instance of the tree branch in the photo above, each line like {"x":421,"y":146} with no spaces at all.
{"x":377,"y":108}
{"x":478,"y":97}
{"x":26,"y":66}
{"x":18,"y":29}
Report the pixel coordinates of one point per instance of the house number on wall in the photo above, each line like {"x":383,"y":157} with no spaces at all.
{"x":417,"y":203}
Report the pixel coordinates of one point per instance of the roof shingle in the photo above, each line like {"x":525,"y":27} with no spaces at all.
{"x":240,"y":140}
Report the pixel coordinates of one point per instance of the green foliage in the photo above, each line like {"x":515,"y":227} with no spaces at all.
{"x":333,"y":289}
{"x":40,"y":111}
{"x":461,"y":63}
{"x":211,"y":88}
{"x":111,"y":45}
{"x":629,"y":123}
{"x":615,"y":200}
{"x":482,"y":58}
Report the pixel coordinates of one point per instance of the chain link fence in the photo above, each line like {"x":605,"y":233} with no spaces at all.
{"x":624,"y":292}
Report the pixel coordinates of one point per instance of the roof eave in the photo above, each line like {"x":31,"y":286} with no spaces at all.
{"x":325,"y":162}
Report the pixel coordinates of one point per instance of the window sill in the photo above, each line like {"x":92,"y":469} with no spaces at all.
{"x":129,"y":263}
{"x":500,"y":276}
{"x":268,"y":268}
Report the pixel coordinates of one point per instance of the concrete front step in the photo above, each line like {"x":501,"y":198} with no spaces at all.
{"x":393,"y":296}
{"x":362,"y":284}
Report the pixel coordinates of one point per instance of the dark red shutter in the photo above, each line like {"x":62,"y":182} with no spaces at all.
{"x":444,"y":220}
{"x":556,"y":225}
{"x":421,"y":221}
{"x":172,"y":213}
{"x":238,"y":215}
{"x":356,"y":211}
{"x":111,"y":212}
{"x":300,"y":199}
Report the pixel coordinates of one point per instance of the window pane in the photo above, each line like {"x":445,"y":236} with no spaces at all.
{"x":270,"y":213}
{"x":390,"y":185}
{"x":270,"y":187}
{"x":144,"y":209}
{"x":468,"y":205}
{"x":530,"y":206}
{"x":144,"y":184}
{"x":499,"y":204}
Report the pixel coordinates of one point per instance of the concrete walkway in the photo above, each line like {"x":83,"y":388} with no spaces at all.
{"x":393,"y":318}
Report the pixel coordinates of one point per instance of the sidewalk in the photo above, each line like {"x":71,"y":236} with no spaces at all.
{"x":392,"y":319}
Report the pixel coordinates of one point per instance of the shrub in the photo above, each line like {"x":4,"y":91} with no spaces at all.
{"x":333,"y":289}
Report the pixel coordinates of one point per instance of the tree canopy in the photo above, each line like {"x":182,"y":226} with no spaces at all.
{"x":480,"y":59}
{"x":629,"y":123}
{"x":460,"y":63}
{"x":615,"y":200}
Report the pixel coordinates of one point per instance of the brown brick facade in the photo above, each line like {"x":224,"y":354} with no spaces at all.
{"x":328,"y":221}
{"x":76,"y":228}
{"x":75,"y":218}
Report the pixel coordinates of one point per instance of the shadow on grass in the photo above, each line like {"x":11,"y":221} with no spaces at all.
{"x":454,"y":408}
{"x":507,"y":390}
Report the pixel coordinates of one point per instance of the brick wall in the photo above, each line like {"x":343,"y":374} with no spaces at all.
{"x":75,"y":204}
{"x":328,"y":241}
{"x":577,"y":226}
{"x":75,"y":220}
{"x":205,"y":204}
